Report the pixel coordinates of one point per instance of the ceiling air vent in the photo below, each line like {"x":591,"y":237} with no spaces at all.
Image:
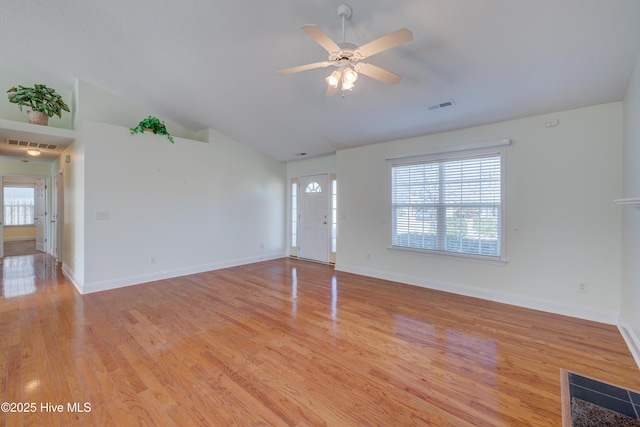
{"x":444,"y":104}
{"x":41,"y":146}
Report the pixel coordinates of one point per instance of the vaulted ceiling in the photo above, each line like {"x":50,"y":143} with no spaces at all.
{"x":212,"y":63}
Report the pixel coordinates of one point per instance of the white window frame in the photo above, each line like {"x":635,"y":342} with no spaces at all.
{"x":18,"y":185}
{"x":453,"y":154}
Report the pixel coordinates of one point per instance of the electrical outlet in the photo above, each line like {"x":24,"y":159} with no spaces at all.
{"x":153,"y":260}
{"x":583,"y":287}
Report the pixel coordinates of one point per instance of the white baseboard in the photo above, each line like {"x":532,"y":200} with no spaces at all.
{"x":533,"y":303}
{"x":18,"y":239}
{"x":121,"y":282}
{"x":632,"y":340}
{"x":70,"y":275}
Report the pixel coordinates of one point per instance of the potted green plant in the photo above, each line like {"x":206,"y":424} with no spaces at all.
{"x":44,"y":101}
{"x":152,"y":124}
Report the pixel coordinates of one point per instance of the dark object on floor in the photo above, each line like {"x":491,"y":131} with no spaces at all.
{"x":589,"y":402}
{"x":587,"y":414}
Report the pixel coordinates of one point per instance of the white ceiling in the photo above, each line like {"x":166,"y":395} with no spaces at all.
{"x":212,"y":63}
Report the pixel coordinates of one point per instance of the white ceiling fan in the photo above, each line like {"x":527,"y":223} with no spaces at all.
{"x":346,"y":56}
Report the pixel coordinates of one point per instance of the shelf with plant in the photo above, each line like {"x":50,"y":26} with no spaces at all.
{"x":154,"y":125}
{"x":44,"y":102}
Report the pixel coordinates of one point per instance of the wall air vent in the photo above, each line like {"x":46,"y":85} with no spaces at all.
{"x":444,"y":104}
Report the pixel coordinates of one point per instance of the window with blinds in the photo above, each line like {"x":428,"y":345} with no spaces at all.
{"x":19,"y":205}
{"x":448,"y":205}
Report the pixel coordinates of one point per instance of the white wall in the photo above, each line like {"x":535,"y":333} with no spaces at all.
{"x":73,"y":245}
{"x":191,"y":206}
{"x":561,"y":183}
{"x":17,"y":167}
{"x":630,"y":310}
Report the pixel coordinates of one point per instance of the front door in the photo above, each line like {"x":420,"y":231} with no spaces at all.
{"x":313,"y":208}
{"x":40,"y":215}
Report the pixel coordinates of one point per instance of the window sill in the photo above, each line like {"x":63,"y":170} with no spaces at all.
{"x":451,"y":255}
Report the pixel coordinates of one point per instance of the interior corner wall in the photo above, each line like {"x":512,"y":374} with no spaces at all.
{"x":563,"y":228}
{"x":73,"y":226}
{"x":630,"y":310}
{"x":154,"y":209}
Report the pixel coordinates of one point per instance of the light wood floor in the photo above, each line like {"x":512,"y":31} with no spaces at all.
{"x":286,"y":342}
{"x":20,"y":247}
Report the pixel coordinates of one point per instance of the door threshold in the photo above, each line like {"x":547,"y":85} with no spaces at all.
{"x":311,"y":260}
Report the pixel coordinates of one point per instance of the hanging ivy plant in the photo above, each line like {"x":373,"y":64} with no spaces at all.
{"x":152,"y":124}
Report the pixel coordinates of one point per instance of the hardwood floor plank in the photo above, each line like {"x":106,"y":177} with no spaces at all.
{"x":287,"y":342}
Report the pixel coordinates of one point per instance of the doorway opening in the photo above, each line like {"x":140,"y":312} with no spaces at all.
{"x":24,"y":215}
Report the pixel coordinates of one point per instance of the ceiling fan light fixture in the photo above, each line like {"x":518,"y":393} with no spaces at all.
{"x":334,"y":79}
{"x":346,"y":56}
{"x":347,"y":85}
{"x":350,"y":76}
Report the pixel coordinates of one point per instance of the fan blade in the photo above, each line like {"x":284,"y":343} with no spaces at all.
{"x":303,"y":68}
{"x":332,"y":91}
{"x":383,"y":43}
{"x":377,"y":73}
{"x":321,"y":38}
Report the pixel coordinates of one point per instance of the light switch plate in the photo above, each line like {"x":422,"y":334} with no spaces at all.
{"x":102,"y":215}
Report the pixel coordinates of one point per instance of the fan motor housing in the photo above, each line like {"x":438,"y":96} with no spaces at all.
{"x":347,"y":52}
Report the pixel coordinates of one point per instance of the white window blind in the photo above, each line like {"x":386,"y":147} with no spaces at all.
{"x":19,"y":205}
{"x":448,"y":205}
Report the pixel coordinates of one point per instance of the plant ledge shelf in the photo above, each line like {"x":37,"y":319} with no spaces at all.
{"x":633,"y":201}
{"x":10,"y":129}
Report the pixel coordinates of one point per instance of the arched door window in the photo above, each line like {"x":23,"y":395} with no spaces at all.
{"x":313,"y":187}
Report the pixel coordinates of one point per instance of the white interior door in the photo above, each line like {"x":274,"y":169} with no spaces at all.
{"x":56,"y":216}
{"x":41,"y":214}
{"x":2,"y":218}
{"x":314,"y":223}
